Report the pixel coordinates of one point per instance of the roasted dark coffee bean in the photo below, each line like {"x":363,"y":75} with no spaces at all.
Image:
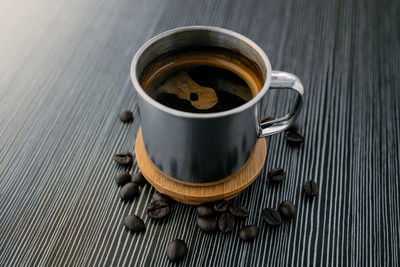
{"x":129,"y":191}
{"x":221,"y":206}
{"x":248,"y":233}
{"x":122,"y":178}
{"x":238,"y":210}
{"x":207,"y":224}
{"x":134,"y":223}
{"x":138,"y":179}
{"x":294,"y":138}
{"x":310,"y":188}
{"x":276,"y":175}
{"x":226,"y":222}
{"x":176,"y":250}
{"x":158,"y":209}
{"x":126,"y":116}
{"x":205,"y":211}
{"x":287,"y":209}
{"x":123,"y":158}
{"x":158,"y":196}
{"x":266,"y":119}
{"x":271,"y":217}
{"x":294,"y":127}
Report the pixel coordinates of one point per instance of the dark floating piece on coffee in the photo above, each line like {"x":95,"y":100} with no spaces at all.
{"x":205,"y":211}
{"x":129,"y":191}
{"x":226,"y":222}
{"x":221,"y":206}
{"x":139,"y":179}
{"x":158,"y":196}
{"x":267,"y":119}
{"x":158,"y":209}
{"x":122,"y":178}
{"x":123,"y":158}
{"x":207,"y":224}
{"x":134,"y":223}
{"x":126,"y":116}
{"x":248,"y":233}
{"x":238,"y":210}
{"x":276,"y":175}
{"x":176,"y":250}
{"x":271,"y":217}
{"x":294,"y":138}
{"x":310,"y":188}
{"x":287,"y":209}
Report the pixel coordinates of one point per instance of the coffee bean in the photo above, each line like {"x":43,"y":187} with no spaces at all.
{"x":205,"y":211}
{"x":294,"y":127}
{"x":129,"y":191}
{"x":134,"y":223}
{"x":248,"y":233}
{"x":176,"y":250}
{"x":221,"y":206}
{"x":276,"y":175}
{"x":158,"y":196}
{"x":267,"y":119}
{"x":123,"y":158}
{"x":139,"y":179}
{"x":226,"y":222}
{"x":207,"y":224}
{"x":310,"y":188}
{"x":271,"y":217}
{"x":287,"y":209}
{"x":122,"y":178}
{"x":158,"y":209}
{"x":126,"y":116}
{"x":294,"y":138}
{"x":238,"y":210}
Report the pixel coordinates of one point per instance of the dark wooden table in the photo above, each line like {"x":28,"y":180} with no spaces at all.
{"x":64,"y":77}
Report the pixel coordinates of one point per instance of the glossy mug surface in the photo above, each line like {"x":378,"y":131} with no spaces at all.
{"x":206,"y":147}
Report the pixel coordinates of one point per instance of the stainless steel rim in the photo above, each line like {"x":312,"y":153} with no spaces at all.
{"x":178,"y":113}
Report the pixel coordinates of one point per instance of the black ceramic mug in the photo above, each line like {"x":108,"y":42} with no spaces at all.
{"x":201,"y":148}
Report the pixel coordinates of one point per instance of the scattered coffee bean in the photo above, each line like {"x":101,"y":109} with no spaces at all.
{"x":123,"y":158}
{"x":294,"y":138}
{"x":122,"y":178}
{"x":176,"y":250}
{"x":248,"y":233}
{"x":158,"y":209}
{"x":266,"y":119}
{"x":205,"y":211}
{"x":271,"y":217}
{"x":287,"y":209}
{"x":221,"y":206}
{"x":276,"y":175}
{"x":126,"y":116}
{"x":129,"y":191}
{"x":226,"y":222}
{"x":310,"y":188}
{"x":207,"y":224}
{"x":139,"y":179}
{"x":134,"y":223}
{"x":158,"y":196}
{"x":294,"y":127}
{"x":238,"y":210}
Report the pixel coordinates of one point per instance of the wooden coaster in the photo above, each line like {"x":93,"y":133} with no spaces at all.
{"x":195,"y":194}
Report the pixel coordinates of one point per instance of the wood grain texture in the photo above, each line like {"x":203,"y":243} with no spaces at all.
{"x":64,"y":77}
{"x":198,"y":193}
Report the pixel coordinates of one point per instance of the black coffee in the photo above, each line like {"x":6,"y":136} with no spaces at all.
{"x":202,"y":81}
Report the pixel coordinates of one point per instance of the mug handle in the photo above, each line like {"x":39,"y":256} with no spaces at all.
{"x":283,"y":80}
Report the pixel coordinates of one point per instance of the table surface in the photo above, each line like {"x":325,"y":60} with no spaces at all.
{"x":64,"y":77}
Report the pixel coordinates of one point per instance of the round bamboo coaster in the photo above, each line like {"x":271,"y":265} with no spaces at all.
{"x":195,"y":194}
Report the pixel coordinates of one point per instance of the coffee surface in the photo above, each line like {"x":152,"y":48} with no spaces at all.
{"x":201,"y":81}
